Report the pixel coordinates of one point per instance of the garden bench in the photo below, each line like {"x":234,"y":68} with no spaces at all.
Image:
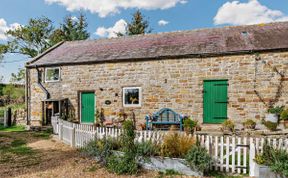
{"x":164,"y":116}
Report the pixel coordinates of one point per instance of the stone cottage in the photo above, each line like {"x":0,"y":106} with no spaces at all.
{"x":209,"y":74}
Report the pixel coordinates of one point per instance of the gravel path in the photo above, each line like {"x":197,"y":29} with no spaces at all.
{"x":50,"y":158}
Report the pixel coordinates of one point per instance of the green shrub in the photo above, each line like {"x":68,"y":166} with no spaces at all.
{"x":275,"y":110}
{"x":101,"y":149}
{"x":199,"y":159}
{"x":122,"y":164}
{"x":228,"y":125}
{"x":249,"y":124}
{"x":126,"y":164}
{"x":14,"y":92}
{"x":284,"y":115}
{"x":270,"y":125}
{"x":147,"y":149}
{"x":280,"y":162}
{"x":276,"y":159}
{"x":189,"y":124}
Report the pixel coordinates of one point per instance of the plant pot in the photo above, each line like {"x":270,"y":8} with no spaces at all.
{"x":250,"y":127}
{"x":262,"y":171}
{"x":272,"y":118}
{"x":198,"y":128}
{"x":227,"y":130}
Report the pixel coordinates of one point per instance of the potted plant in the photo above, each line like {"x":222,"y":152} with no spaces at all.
{"x":189,"y":125}
{"x":249,"y":124}
{"x":270,"y":163}
{"x":284,"y":117}
{"x":274,"y":113}
{"x":228,"y":125}
{"x":272,"y":126}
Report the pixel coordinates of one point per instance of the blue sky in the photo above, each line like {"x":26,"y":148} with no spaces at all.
{"x":107,"y":16}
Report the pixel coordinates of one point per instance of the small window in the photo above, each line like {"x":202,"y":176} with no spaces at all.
{"x":132,"y":97}
{"x":52,"y":74}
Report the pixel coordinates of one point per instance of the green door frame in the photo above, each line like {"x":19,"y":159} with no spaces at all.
{"x":80,"y":106}
{"x":215,"y":101}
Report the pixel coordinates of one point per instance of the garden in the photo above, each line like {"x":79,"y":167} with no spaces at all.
{"x":177,"y":153}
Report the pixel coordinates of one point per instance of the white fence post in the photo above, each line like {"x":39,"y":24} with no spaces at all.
{"x":233,"y":154}
{"x":252,"y":155}
{"x":73,"y":136}
{"x":227,"y":156}
{"x":60,"y":129}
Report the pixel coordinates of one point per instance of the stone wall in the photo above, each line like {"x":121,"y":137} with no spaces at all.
{"x":173,"y":83}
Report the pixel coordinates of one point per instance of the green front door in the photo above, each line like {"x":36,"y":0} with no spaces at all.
{"x":215,"y":101}
{"x":87,"y":107}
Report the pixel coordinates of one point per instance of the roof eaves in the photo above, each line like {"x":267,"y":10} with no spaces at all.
{"x":44,"y":53}
{"x":198,"y":55}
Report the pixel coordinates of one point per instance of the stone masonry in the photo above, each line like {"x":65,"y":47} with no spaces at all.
{"x":172,"y":83}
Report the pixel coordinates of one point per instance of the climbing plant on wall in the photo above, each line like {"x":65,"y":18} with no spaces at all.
{"x":278,"y":82}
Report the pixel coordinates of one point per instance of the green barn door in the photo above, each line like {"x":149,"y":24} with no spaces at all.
{"x":87,"y":107}
{"x":215,"y":101}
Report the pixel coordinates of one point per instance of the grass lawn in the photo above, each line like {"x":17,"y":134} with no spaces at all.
{"x":12,"y":128}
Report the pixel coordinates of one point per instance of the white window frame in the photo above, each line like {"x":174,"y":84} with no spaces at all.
{"x":140,"y":97}
{"x":51,"y":81}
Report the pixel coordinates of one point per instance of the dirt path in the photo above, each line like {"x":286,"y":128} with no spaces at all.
{"x":48,"y":158}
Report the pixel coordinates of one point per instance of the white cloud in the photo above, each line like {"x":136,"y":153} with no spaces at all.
{"x":111,"y":32}
{"x":106,"y":7}
{"x":252,"y":12}
{"x":162,"y":22}
{"x":75,"y":19}
{"x":4,"y":27}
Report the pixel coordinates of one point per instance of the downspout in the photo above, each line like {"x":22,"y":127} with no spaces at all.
{"x":41,"y":85}
{"x":27,"y":97}
{"x":44,"y":90}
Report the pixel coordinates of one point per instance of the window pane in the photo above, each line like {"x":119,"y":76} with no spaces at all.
{"x":53,"y":74}
{"x":132,"y":96}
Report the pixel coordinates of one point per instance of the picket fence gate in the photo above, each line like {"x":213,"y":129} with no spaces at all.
{"x":233,"y":154}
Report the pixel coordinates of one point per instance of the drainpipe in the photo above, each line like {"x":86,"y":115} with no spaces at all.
{"x":27,"y":97}
{"x":41,"y":85}
{"x":43,"y":89}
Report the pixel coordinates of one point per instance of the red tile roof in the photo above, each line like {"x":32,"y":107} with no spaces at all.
{"x":214,"y":41}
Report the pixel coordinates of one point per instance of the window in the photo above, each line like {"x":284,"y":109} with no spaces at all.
{"x":52,"y":74}
{"x":132,"y":97}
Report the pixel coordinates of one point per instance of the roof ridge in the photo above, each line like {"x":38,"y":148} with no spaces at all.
{"x":177,"y":31}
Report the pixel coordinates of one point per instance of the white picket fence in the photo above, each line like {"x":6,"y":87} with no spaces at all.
{"x":236,"y":154}
{"x":78,"y":135}
{"x":232,"y":154}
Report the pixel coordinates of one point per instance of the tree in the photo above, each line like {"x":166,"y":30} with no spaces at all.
{"x":138,"y":25}
{"x":18,"y":78}
{"x":39,"y":34}
{"x":72,"y":29}
{"x":30,"y":39}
